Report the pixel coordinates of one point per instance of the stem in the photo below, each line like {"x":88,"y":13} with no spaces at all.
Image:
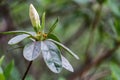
{"x":91,"y":34}
{"x":25,"y":74}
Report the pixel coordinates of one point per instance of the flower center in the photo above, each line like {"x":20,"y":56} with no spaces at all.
{"x":41,"y":36}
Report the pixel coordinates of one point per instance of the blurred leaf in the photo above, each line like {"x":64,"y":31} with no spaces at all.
{"x":1,"y":60}
{"x":15,"y":74}
{"x":8,"y":69}
{"x":101,"y":1}
{"x":114,"y":7}
{"x":32,"y":51}
{"x":115,"y":70}
{"x":117,"y":26}
{"x":53,"y":26}
{"x":64,"y":47}
{"x":29,"y":78}
{"x":17,"y":11}
{"x":66,"y":64}
{"x":61,"y":78}
{"x":108,"y":78}
{"x":81,"y":1}
{"x":110,"y":28}
{"x":2,"y":77}
{"x":17,"y":39}
{"x":51,"y":55}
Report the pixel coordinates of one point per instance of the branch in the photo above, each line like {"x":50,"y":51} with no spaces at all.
{"x":26,"y":72}
{"x":100,"y":75}
{"x":92,"y":32}
{"x":95,"y":62}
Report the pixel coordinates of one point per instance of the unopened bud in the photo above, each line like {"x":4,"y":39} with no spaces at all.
{"x":34,"y":17}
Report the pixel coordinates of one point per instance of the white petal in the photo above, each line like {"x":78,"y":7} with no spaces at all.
{"x":66,"y":64}
{"x":64,"y":47}
{"x":17,"y":39}
{"x":52,"y":57}
{"x":32,"y":51}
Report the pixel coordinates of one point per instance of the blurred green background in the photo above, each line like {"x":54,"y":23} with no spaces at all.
{"x":90,"y":28}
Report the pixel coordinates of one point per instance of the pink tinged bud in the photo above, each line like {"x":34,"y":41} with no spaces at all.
{"x":34,"y":16}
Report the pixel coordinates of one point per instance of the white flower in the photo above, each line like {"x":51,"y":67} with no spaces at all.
{"x":34,"y":16}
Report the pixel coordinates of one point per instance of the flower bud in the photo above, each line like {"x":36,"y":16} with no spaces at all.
{"x":34,"y":17}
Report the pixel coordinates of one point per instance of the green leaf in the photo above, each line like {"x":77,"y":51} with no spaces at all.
{"x":17,"y":39}
{"x":117,"y":28}
{"x":115,"y":71}
{"x":8,"y":69}
{"x":51,"y":55}
{"x":61,"y":78}
{"x":2,"y":77}
{"x":1,"y":60}
{"x":43,"y":21}
{"x":53,"y":26}
{"x":54,"y":37}
{"x":32,"y":51}
{"x":66,"y":64}
{"x":109,"y":27}
{"x":114,"y":7}
{"x":32,"y":34}
{"x":64,"y":47}
{"x":29,"y":78}
{"x":15,"y":75}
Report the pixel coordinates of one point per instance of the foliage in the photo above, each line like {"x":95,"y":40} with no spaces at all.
{"x":41,"y":44}
{"x":5,"y":73}
{"x":90,"y":28}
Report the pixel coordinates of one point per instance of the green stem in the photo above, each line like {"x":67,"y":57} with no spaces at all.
{"x":24,"y":76}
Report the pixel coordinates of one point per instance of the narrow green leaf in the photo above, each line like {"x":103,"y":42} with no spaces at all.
{"x":115,"y":71}
{"x":32,"y":51}
{"x":32,"y":34}
{"x":51,"y":55}
{"x":66,"y":64}
{"x":54,"y":37}
{"x":8,"y":69}
{"x":43,"y":21}
{"x":64,"y":47}
{"x":18,"y":32}
{"x":2,"y":77}
{"x":1,"y":60}
{"x":17,"y":39}
{"x":53,"y":26}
